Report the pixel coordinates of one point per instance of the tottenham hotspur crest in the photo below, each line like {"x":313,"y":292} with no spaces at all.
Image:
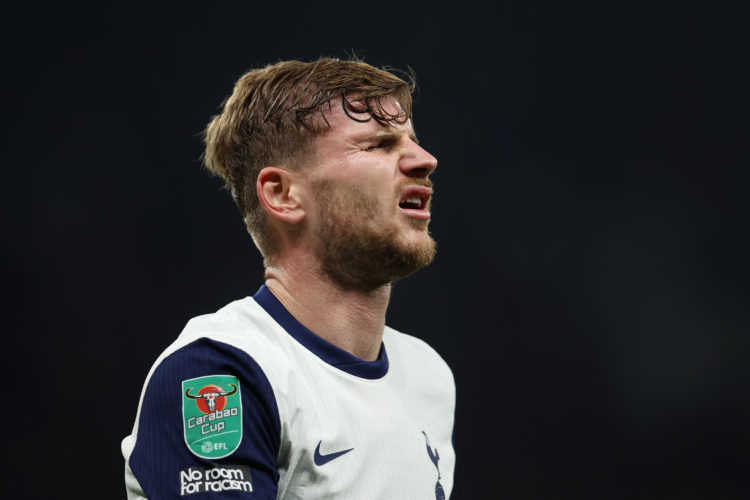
{"x":435,"y":457}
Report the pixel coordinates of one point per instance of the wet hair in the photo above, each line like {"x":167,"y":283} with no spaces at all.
{"x":275,"y":112}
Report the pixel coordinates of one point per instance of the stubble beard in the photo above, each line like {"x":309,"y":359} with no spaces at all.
{"x":358,"y":253}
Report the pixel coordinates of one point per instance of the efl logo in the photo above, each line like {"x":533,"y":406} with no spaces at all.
{"x":212,"y":415}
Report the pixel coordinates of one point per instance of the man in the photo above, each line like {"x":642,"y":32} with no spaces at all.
{"x":301,"y":391}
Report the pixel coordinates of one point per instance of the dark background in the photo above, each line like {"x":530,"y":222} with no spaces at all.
{"x":591,"y":284}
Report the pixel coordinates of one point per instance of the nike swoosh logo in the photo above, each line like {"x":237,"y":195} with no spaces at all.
{"x":324,"y":459}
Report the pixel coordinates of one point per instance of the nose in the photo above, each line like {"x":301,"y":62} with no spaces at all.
{"x":416,"y":161}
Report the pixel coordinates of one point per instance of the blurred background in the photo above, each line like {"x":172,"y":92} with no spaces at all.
{"x":591,"y":285}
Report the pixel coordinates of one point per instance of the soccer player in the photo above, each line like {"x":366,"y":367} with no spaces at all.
{"x":301,"y":391}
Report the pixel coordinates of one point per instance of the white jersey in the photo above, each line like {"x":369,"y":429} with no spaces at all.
{"x":248,"y":403}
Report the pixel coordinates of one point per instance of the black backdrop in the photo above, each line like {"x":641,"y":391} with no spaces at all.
{"x":590,"y":289}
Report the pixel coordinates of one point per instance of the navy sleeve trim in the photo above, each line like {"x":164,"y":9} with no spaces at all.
{"x":326,"y":351}
{"x":219,"y":391}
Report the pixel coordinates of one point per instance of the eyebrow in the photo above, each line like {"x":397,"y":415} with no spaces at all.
{"x":388,"y":135}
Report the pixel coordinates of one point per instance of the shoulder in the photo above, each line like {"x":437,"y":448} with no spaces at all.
{"x":206,"y":398}
{"x":413,"y":345}
{"x":417,"y":354}
{"x":240,"y":336}
{"x":240,"y":329}
{"x":230,"y":324}
{"x":231,"y":341}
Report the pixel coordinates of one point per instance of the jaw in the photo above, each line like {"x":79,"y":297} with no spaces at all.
{"x":414,"y":233}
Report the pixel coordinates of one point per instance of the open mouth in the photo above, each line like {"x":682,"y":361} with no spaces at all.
{"x":415,"y":201}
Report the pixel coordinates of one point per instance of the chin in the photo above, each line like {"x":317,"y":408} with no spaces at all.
{"x":366,"y":267}
{"x":419,"y":241}
{"x":361,"y":249}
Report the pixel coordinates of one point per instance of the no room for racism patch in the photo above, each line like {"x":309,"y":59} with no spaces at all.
{"x":215,"y":479}
{"x":212,"y":415}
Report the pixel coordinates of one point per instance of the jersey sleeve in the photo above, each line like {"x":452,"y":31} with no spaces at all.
{"x":208,"y":427}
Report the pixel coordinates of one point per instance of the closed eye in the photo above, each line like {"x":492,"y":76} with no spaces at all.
{"x":385,"y":143}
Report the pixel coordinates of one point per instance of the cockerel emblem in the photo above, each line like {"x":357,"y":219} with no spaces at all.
{"x":435,"y":458}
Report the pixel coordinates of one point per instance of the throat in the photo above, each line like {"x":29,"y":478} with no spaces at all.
{"x":352,"y":321}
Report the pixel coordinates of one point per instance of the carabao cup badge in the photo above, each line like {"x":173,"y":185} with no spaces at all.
{"x":212,"y":415}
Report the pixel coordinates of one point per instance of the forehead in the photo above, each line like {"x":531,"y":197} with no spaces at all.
{"x":344,"y":119}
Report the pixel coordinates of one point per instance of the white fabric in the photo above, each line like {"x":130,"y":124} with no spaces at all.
{"x":384,"y":420}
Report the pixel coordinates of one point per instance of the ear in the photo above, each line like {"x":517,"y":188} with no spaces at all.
{"x":278,"y":193}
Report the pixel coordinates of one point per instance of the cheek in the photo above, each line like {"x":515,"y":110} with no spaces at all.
{"x":368,"y":190}
{"x":373,"y":187}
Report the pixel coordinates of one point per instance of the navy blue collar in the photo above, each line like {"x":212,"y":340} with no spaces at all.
{"x":323,"y":349}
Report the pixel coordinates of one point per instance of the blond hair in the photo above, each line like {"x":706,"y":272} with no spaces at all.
{"x":274,"y":113}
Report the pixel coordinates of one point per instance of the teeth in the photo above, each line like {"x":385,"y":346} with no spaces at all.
{"x":413,"y":199}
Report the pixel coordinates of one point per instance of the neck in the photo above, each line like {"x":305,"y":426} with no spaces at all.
{"x":351,"y":320}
